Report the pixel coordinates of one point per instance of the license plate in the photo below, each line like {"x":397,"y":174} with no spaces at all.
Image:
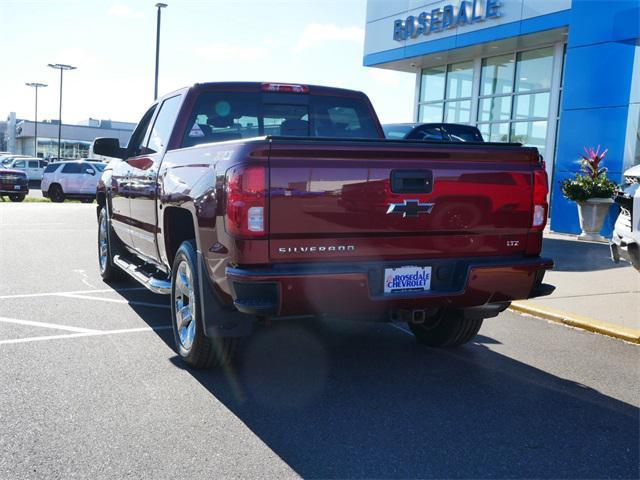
{"x":407,"y":279}
{"x":16,"y":187}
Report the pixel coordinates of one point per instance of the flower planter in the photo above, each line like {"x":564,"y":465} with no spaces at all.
{"x":592,"y":214}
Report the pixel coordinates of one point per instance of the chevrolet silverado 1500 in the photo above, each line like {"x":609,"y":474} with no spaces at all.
{"x":246,"y":200}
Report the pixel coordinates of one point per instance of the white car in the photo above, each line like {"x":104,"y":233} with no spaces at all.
{"x":73,"y":180}
{"x":625,"y":243}
{"x":8,"y":158}
{"x":33,"y":167}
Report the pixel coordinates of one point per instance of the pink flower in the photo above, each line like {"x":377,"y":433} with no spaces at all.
{"x":591,"y":161}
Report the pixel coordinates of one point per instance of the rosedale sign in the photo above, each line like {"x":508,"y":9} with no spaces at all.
{"x":446,"y":17}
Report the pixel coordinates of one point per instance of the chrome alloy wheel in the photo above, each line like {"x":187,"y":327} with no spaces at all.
{"x":184,"y":305}
{"x":103,"y":243}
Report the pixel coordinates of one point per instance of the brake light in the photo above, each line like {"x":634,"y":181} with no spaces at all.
{"x":539,"y":213}
{"x":540,"y":205}
{"x":246,"y":208}
{"x":285,"y":87}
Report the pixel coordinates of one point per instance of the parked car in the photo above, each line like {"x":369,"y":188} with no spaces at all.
{"x":75,"y":179}
{"x":32,"y":166}
{"x":437,"y":132}
{"x":235,"y":225}
{"x":7,"y":159}
{"x":13,"y":184}
{"x":625,"y":242}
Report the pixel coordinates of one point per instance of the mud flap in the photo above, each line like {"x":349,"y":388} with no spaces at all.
{"x":219,"y":320}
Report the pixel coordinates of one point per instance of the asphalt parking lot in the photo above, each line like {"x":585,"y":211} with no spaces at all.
{"x":91,"y":387}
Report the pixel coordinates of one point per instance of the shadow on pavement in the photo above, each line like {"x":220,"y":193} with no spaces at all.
{"x":357,"y":400}
{"x":576,"y":256}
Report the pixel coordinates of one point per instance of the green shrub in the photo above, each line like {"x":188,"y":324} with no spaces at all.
{"x":583,"y":188}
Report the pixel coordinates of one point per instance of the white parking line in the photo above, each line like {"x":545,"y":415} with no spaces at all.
{"x":113,"y":300}
{"x":84,"y":334}
{"x":53,"y":294}
{"x":48,"y":325}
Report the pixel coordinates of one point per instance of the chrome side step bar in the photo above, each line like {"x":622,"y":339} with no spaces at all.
{"x":156,"y":285}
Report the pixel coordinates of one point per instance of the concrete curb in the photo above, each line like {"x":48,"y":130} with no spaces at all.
{"x":604,"y":328}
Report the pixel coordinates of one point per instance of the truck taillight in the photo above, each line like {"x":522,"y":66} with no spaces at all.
{"x":246,"y":209}
{"x":540,"y":205}
{"x":539,"y":213}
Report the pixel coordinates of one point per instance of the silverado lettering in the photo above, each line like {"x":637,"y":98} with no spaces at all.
{"x":320,"y":249}
{"x":246,"y":201}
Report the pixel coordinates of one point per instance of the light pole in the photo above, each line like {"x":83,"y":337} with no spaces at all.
{"x":35,"y":141}
{"x":62,"y":68}
{"x":159,"y":6}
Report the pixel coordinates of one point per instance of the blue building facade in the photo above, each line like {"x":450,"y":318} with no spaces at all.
{"x":555,"y":74}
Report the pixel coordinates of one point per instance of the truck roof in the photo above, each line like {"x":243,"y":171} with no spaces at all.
{"x":257,"y":87}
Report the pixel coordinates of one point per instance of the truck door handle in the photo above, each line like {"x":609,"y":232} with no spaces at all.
{"x":411,"y":181}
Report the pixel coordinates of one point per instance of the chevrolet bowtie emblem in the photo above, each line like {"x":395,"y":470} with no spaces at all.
{"x":410,"y":208}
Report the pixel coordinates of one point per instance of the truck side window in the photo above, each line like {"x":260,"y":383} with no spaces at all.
{"x":220,"y":116}
{"x":134,"y":148}
{"x":163,"y":125}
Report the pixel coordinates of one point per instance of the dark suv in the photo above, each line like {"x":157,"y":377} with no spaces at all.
{"x":437,"y":132}
{"x":13,"y":184}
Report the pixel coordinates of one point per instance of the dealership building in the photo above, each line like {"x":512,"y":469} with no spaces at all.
{"x":76,"y":139}
{"x":555,"y":74}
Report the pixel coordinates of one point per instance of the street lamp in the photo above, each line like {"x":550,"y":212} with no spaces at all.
{"x":35,"y":141}
{"x":159,"y":6}
{"x":62,"y":68}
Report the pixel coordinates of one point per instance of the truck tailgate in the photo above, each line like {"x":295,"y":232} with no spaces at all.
{"x":385,"y":200}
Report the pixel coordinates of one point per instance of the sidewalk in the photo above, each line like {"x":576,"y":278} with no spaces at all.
{"x":591,"y":292}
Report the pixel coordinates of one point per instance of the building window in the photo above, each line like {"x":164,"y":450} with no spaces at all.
{"x":515,"y":92}
{"x":513,"y":96}
{"x":48,"y":148}
{"x":445,"y":93}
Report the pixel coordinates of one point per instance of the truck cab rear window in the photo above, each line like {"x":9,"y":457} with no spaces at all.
{"x":219,"y":117}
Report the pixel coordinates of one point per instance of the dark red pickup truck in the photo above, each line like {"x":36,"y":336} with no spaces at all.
{"x":260,"y":200}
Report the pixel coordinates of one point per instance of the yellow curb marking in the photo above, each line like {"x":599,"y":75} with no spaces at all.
{"x":617,"y":331}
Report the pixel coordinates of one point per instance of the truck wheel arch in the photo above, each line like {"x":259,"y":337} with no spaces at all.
{"x":178,"y":225}
{"x":101,"y":200}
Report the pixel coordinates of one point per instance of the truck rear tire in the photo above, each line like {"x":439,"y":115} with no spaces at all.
{"x":19,"y":197}
{"x":107,"y":248}
{"x":193,"y":346}
{"x":448,"y":328}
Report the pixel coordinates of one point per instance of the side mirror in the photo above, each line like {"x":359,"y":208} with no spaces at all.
{"x":90,"y":171}
{"x":108,"y":147}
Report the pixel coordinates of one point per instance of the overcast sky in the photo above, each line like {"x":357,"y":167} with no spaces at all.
{"x":113,"y":45}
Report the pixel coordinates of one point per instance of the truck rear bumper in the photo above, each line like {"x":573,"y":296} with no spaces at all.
{"x":14,"y":189}
{"x":357,"y":288}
